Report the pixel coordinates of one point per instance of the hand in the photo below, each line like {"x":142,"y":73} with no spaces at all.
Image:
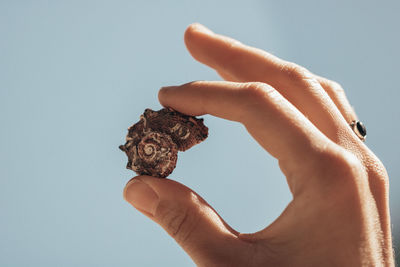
{"x":339,"y":215}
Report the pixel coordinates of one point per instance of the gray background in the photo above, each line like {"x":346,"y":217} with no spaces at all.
{"x":75,"y":74}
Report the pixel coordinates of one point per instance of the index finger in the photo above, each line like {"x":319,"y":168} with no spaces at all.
{"x":272,"y":120}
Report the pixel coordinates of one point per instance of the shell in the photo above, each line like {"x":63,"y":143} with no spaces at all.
{"x":152,"y":144}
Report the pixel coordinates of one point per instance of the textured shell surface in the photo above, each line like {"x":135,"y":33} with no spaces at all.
{"x":152,"y":144}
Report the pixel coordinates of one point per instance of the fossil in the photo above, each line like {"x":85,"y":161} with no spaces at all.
{"x":152,"y":144}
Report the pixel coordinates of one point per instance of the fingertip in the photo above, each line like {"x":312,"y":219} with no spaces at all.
{"x":193,"y":35}
{"x":163,"y":94}
{"x":165,"y":91}
{"x":132,"y":180}
{"x":126,"y":188}
{"x":141,"y":195}
{"x":196,"y":27}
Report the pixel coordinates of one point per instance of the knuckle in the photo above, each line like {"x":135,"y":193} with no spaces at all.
{"x":178,"y":221}
{"x":342,"y":172}
{"x":331,"y":170}
{"x":256,"y":91}
{"x":378,"y":175}
{"x":342,"y":163}
{"x":350,"y":164}
{"x":334,"y":87}
{"x":296,"y":72}
{"x":346,"y":186}
{"x":381,"y":186}
{"x":252,"y":97}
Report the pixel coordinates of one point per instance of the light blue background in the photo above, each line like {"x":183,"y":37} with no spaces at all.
{"x":75,"y":74}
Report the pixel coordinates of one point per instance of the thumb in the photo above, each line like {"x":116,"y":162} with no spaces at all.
{"x":185,"y":216}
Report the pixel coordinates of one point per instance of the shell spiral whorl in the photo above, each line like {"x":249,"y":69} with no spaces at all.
{"x":158,"y":152}
{"x":152,"y":144}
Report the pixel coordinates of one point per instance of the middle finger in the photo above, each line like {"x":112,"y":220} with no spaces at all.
{"x":238,"y":62}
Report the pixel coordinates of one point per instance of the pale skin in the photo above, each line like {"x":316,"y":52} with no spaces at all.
{"x":339,"y":214}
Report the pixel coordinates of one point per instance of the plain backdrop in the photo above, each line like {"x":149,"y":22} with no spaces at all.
{"x":75,"y":74}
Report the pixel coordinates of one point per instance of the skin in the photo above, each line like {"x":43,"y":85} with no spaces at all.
{"x":339,"y":215}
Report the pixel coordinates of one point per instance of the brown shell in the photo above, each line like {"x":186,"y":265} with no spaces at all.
{"x":152,"y":144}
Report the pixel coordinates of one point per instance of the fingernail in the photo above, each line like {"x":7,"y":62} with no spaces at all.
{"x":164,"y":92}
{"x":141,"y":196}
{"x":167,"y":88}
{"x":201,"y":28}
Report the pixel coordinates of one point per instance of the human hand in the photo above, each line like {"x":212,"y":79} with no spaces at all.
{"x":339,"y":215}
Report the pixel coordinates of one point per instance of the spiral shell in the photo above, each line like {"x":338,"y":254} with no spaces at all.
{"x":152,"y":144}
